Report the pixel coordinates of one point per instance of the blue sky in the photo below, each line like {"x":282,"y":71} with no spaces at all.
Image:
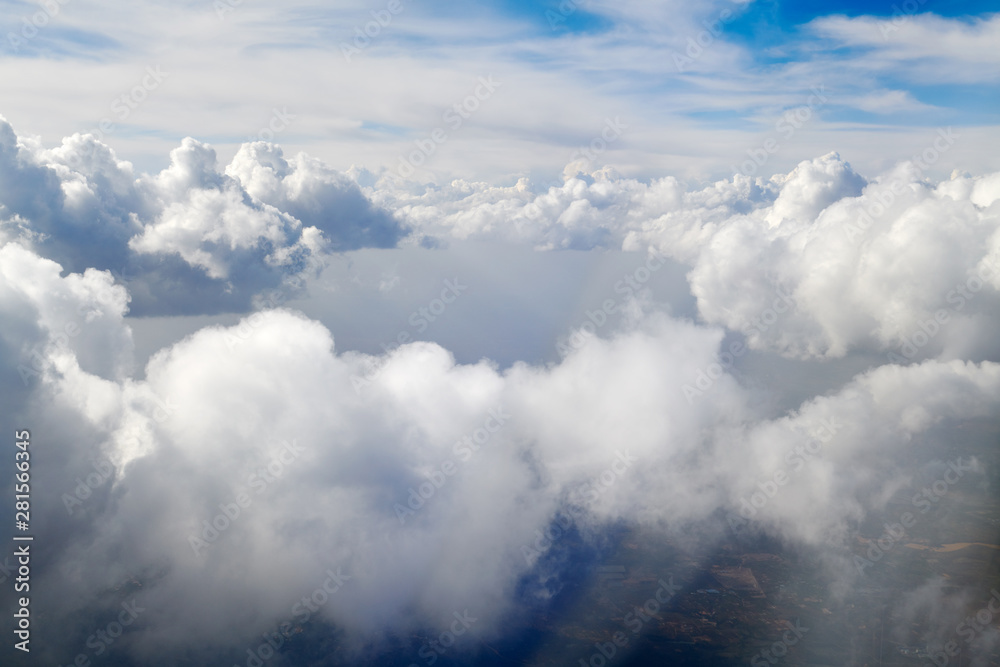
{"x":688,"y":237}
{"x":565,"y":69}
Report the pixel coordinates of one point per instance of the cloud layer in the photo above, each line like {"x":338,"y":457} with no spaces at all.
{"x":429,"y":483}
{"x":189,"y":230}
{"x":253,"y":463}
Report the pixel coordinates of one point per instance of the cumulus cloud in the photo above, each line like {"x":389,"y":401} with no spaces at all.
{"x":250,"y":464}
{"x":429,"y":483}
{"x":285,"y":397}
{"x":193,"y":239}
{"x":850,"y":263}
{"x":857,"y":263}
{"x":314,"y":194}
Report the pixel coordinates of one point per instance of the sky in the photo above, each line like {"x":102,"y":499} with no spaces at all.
{"x":369,"y":302}
{"x":696,"y":89}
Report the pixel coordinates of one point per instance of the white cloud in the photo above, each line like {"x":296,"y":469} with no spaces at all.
{"x":188,"y":229}
{"x":924,"y":46}
{"x":817,"y":264}
{"x":892,"y":258}
{"x":227,"y":75}
{"x":216,"y":408}
{"x":862,"y":264}
{"x":821,"y":333}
